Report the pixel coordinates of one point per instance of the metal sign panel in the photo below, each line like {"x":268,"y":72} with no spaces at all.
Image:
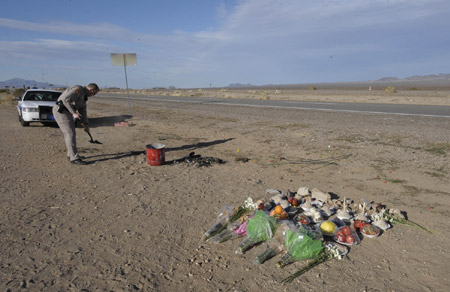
{"x":124,"y":59}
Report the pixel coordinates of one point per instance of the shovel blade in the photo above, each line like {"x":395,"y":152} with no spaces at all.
{"x":95,"y":142}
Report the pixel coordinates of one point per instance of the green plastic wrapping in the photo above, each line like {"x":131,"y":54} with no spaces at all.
{"x":261,"y":227}
{"x":276,"y":244}
{"x":301,"y":246}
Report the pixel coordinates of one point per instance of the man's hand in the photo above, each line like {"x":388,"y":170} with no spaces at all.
{"x":76,"y":116}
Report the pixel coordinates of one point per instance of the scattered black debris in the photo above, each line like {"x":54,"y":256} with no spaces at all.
{"x":198,"y":160}
{"x":242,"y":159}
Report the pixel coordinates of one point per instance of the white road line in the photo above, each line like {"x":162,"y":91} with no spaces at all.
{"x":336,"y":110}
{"x":311,"y":102}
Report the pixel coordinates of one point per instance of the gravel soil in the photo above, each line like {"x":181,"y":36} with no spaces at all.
{"x":119,"y":224}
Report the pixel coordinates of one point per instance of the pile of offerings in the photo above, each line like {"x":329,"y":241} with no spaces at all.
{"x":307,"y":224}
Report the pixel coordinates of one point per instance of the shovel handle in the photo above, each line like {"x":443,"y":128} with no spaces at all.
{"x":90,"y":136}
{"x":84,"y":126}
{"x":87,"y":131}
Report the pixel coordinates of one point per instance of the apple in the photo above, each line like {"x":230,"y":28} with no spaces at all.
{"x":346,"y":230}
{"x":340,"y":237}
{"x":350,"y":239}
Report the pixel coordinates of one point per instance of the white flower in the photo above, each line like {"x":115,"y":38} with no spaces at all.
{"x":334,"y":251}
{"x":248,"y":204}
{"x":382,"y":215}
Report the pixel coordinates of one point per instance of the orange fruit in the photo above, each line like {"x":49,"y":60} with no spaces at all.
{"x":278,"y":209}
{"x":284,"y":215}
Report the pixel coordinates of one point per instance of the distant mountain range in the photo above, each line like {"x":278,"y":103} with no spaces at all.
{"x":424,"y":78}
{"x":20,"y":83}
{"x":435,"y":77}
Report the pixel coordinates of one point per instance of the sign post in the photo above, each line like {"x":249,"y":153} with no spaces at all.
{"x":125,"y":60}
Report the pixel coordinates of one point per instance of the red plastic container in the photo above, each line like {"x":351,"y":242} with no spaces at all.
{"x":156,"y":154}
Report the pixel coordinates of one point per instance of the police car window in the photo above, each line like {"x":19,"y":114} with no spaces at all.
{"x":47,"y":97}
{"x":55,"y":95}
{"x":30,"y":96}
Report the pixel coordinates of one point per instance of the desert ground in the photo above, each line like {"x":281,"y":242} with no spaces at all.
{"x":119,"y":224}
{"x":401,"y":93}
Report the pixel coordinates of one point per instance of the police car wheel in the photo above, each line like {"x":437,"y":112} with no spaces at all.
{"x":22,"y":122}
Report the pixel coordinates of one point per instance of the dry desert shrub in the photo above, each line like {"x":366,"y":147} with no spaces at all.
{"x":311,"y":88}
{"x":6,"y":99}
{"x":18,"y":92}
{"x":390,"y":90}
{"x":177,"y":93}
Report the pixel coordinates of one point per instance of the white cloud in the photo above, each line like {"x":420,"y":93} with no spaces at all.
{"x":221,"y":11}
{"x":44,"y":49}
{"x":93,"y":30}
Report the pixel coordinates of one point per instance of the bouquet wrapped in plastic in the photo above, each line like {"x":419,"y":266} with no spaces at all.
{"x":221,"y":221}
{"x":227,"y":215}
{"x":259,"y":228}
{"x":234,"y":230}
{"x":331,"y":250}
{"x":276,"y":245}
{"x":300,"y":245}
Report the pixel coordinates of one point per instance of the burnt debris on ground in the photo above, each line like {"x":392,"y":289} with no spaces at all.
{"x":197,"y":160}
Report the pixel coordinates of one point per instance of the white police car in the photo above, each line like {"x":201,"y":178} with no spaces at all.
{"x":36,"y":105}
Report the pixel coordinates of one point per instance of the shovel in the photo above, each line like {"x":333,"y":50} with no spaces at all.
{"x":92,"y":139}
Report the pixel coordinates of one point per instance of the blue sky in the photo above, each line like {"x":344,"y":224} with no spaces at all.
{"x":199,"y":43}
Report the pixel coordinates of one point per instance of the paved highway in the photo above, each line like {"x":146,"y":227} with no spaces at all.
{"x":369,"y":108}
